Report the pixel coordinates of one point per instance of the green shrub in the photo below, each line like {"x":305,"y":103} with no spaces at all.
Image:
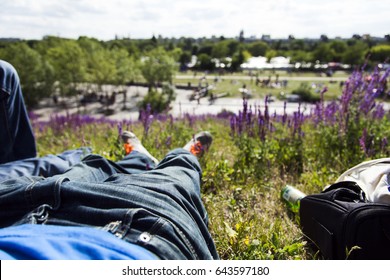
{"x":305,"y":93}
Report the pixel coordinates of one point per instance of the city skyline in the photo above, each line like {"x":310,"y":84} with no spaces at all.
{"x":138,"y":19}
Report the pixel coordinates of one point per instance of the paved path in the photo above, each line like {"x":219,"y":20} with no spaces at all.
{"x":288,"y":78}
{"x":180,"y":106}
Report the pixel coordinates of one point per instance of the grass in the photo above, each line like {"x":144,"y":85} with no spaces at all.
{"x":253,"y":156}
{"x":231,"y":83}
{"x":247,"y":219}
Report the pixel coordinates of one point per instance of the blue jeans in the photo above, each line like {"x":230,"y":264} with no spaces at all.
{"x":16,"y":137}
{"x":43,"y":166}
{"x":17,"y":142}
{"x":159,"y":208}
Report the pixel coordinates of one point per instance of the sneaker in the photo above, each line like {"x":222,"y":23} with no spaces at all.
{"x":132,"y":143}
{"x":199,"y":144}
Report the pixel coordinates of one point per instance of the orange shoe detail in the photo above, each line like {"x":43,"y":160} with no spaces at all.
{"x":196,"y":148}
{"x":128,"y":148}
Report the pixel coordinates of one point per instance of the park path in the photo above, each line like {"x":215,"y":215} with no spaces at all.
{"x":121,"y":110}
{"x":286,"y":77}
{"x":181,"y":106}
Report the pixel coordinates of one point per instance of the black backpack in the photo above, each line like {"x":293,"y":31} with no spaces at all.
{"x":342,"y":224}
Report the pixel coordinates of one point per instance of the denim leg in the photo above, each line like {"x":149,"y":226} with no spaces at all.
{"x":96,"y":169}
{"x":134,"y":163}
{"x":169,"y":197}
{"x":159,"y":209}
{"x":16,"y":138}
{"x":182,"y":159}
{"x":46,"y":166}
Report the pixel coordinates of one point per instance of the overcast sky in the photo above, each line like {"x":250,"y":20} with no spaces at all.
{"x":105,"y":19}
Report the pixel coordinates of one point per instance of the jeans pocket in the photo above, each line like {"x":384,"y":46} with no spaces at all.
{"x":154,"y":233}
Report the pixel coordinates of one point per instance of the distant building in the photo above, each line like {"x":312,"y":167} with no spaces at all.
{"x":9,"y":40}
{"x":266,"y":38}
{"x":366,"y":36}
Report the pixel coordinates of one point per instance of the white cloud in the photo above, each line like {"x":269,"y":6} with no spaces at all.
{"x":195,"y":18}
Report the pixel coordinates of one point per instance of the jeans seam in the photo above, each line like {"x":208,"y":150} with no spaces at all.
{"x":185,"y":240}
{"x":57,"y":192}
{"x":8,"y":132}
{"x":153,"y":231}
{"x":28,"y":193}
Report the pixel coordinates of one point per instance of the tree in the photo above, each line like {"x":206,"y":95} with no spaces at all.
{"x":175,"y":53}
{"x":158,"y":67}
{"x":68,"y":60}
{"x":220,"y":50}
{"x":380,"y":53}
{"x":271,"y":53}
{"x":186,"y":44}
{"x":299,"y":56}
{"x":258,"y":48}
{"x":233,"y":46}
{"x":338,"y":48}
{"x":324,"y":38}
{"x":158,"y":101}
{"x":36,"y":75}
{"x":126,"y":67}
{"x":239,"y":58}
{"x":101,"y":65}
{"x":323,"y":53}
{"x":305,"y":93}
{"x":205,"y":62}
{"x":355,"y":53}
{"x":184,"y":58}
{"x":241,"y":37}
{"x":206,"y":49}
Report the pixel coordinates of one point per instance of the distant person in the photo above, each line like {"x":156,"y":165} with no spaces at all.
{"x":136,"y":208}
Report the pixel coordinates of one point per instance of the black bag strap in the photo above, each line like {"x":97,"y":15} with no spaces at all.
{"x":347,"y":191}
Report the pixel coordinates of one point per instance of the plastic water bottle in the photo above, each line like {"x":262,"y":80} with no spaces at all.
{"x":292,"y":196}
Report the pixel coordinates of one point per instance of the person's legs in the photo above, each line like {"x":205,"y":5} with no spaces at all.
{"x":137,"y":159}
{"x":46,"y":166}
{"x":135,"y":162}
{"x":174,"y":221}
{"x":96,"y":169}
{"x":159,"y":209}
{"x":16,"y":137}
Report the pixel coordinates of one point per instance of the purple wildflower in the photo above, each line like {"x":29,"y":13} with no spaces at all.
{"x":168,"y":142}
{"x":244,"y":106}
{"x":119,"y":129}
{"x":330,"y":112}
{"x":233,"y":124}
{"x":384,"y":143}
{"x":240,"y":123}
{"x":362,"y":141}
{"x":379,"y":112}
{"x":284,"y":118}
{"x":146,"y":118}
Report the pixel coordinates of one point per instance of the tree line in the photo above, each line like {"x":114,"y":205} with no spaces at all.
{"x":55,"y":64}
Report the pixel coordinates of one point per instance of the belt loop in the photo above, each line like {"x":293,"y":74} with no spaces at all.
{"x":120,"y":228}
{"x":57,"y":192}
